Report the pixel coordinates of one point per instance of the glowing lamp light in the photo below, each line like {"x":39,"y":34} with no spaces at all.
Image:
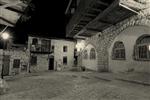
{"x":149,"y":47}
{"x":5,"y":36}
{"x":80,"y":45}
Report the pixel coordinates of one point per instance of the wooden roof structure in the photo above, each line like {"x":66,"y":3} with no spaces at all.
{"x":11,"y":11}
{"x":94,"y":16}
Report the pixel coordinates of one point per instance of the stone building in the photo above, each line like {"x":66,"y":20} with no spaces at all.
{"x":14,"y":60}
{"x":50,"y":54}
{"x":116,"y":34}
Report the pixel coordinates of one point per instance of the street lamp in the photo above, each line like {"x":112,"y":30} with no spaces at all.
{"x":5,"y":36}
{"x":149,"y":47}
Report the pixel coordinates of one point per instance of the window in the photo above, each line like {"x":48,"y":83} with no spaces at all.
{"x":45,"y":45}
{"x":33,"y":60}
{"x":85,"y":54}
{"x":142,"y":48}
{"x":118,"y":51}
{"x":16,"y":63}
{"x":65,"y":48}
{"x":65,"y":60}
{"x":34,"y":41}
{"x":92,"y":53}
{"x":52,"y":48}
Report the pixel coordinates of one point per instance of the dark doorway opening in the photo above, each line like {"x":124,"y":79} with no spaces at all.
{"x":51,"y":63}
{"x":6,"y":62}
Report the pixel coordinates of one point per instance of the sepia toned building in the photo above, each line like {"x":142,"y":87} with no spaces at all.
{"x":116,"y":34}
{"x":50,"y":54}
{"x":14,"y":60}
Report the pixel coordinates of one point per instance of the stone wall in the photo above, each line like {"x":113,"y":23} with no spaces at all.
{"x":42,"y":63}
{"x":129,"y":38}
{"x":16,"y":54}
{"x":59,"y":54}
{"x":90,"y":64}
{"x":23,"y":56}
{"x":103,"y":40}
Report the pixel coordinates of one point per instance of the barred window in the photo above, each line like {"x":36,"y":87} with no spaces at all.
{"x":92,"y":53}
{"x":142,"y":48}
{"x":85,"y":54}
{"x":118,"y":51}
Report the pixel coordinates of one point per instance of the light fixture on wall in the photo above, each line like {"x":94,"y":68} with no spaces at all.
{"x":149,"y":47}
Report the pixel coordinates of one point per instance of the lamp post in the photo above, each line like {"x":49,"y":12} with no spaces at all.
{"x":5,"y":37}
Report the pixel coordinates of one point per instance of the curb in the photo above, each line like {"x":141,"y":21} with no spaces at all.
{"x":134,"y":81}
{"x":105,"y":79}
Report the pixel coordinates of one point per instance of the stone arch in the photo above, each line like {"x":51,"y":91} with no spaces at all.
{"x":129,"y":37}
{"x":90,"y":63}
{"x":142,"y":42}
{"x":139,"y":40}
{"x":92,"y":54}
{"x":104,"y":42}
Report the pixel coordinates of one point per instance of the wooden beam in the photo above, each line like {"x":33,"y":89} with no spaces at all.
{"x":15,"y":10}
{"x":102,"y":3}
{"x":106,"y":22}
{"x":10,"y":4}
{"x":12,"y":9}
{"x":92,"y":29}
{"x":90,"y":15}
{"x":96,"y":9}
{"x":70,"y":1}
{"x":7,"y":21}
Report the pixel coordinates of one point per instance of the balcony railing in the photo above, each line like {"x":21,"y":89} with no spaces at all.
{"x":38,"y":48}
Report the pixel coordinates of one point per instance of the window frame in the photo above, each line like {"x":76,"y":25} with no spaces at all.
{"x":85,"y":54}
{"x":137,"y":52}
{"x":34,"y":41}
{"x":16,"y":63}
{"x":120,"y":50}
{"x":92,"y":54}
{"x":65,"y":48}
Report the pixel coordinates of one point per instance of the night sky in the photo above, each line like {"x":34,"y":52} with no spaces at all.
{"x":47,"y":19}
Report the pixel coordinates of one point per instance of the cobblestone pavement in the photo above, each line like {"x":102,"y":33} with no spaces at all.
{"x":73,"y":86}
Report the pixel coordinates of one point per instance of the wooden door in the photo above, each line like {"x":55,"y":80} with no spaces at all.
{"x":6,"y":65}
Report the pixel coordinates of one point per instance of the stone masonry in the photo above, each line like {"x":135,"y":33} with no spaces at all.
{"x":102,"y":40}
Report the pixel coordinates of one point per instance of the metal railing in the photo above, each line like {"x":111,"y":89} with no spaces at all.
{"x":38,"y":48}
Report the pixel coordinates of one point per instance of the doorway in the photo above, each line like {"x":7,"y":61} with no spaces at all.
{"x":6,"y":66}
{"x":16,"y":65}
{"x":51,"y":63}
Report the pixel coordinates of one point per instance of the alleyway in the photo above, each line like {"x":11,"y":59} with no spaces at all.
{"x":73,"y":86}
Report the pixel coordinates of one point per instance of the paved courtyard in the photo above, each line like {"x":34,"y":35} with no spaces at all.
{"x":73,"y":86}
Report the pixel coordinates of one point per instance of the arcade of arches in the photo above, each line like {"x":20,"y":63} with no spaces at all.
{"x":128,"y":50}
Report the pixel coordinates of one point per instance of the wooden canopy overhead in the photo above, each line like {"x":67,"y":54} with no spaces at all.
{"x":94,"y":16}
{"x":11,"y":10}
